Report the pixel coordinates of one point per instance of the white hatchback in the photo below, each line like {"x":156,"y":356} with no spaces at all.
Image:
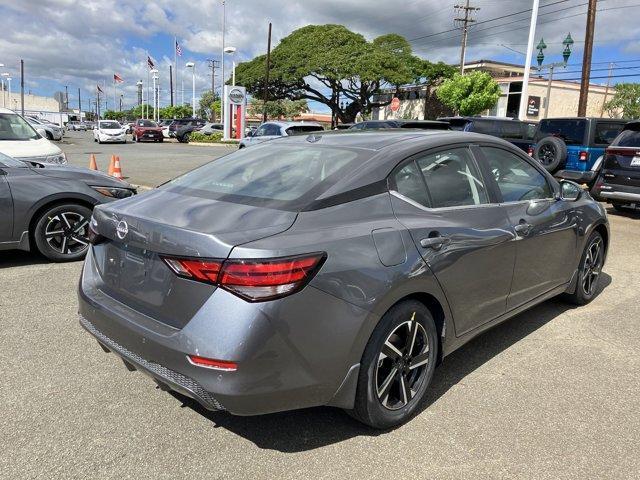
{"x":109,"y":131}
{"x":18,"y":139}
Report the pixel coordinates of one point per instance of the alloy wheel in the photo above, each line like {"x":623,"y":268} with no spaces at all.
{"x":402,"y":364}
{"x":592,"y":266}
{"x":546,"y":154}
{"x":67,"y":233}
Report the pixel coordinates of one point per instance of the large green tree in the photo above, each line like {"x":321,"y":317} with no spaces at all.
{"x":287,"y":109}
{"x":626,"y":101}
{"x":334,"y":66}
{"x":469,"y":94}
{"x":177,"y":111}
{"x":210,"y":106}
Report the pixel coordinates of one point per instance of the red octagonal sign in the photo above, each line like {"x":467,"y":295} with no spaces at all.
{"x":395,"y":104}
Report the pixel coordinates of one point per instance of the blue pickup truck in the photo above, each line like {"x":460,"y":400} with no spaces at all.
{"x":572,"y":147}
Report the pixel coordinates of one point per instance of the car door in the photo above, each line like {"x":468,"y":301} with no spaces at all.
{"x":546,"y":227}
{"x":6,"y":207}
{"x":462,"y":234}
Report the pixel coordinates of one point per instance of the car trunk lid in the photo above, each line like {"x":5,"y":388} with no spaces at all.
{"x":139,"y":232}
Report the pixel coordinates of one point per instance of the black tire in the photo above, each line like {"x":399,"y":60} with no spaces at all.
{"x":380,"y":397}
{"x":161,"y":140}
{"x":619,"y":207}
{"x":49,"y":136}
{"x":589,"y":271}
{"x":72,"y":221}
{"x":551,"y":152}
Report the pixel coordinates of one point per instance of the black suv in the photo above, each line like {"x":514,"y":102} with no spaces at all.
{"x":510,"y":129}
{"x":572,"y":146}
{"x":619,"y":179}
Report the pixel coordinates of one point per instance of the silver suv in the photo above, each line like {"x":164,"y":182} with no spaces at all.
{"x":272,"y":130}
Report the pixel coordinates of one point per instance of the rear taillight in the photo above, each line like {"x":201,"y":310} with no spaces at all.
{"x":252,"y":279}
{"x":583,"y":156}
{"x":223,"y":365}
{"x":530,"y":151}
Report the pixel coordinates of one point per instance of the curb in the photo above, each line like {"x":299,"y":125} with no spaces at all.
{"x":202,"y":144}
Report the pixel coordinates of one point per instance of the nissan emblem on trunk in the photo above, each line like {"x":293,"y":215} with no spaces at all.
{"x":122,"y":229}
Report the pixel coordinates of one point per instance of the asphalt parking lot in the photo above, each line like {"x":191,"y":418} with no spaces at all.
{"x":147,"y":164}
{"x":551,"y":394}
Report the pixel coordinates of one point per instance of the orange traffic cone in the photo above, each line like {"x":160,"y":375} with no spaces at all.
{"x":117,"y":171}
{"x":112,"y":164}
{"x":92,"y":162}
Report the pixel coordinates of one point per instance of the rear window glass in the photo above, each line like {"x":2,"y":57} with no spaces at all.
{"x":458,"y":125}
{"x":274,"y":176}
{"x":146,"y":123}
{"x":606,"y":133}
{"x":571,"y":131}
{"x":303,"y":129}
{"x":628,"y":138}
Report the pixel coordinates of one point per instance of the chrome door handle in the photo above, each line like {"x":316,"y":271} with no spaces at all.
{"x":435,"y":243}
{"x":523,"y":228}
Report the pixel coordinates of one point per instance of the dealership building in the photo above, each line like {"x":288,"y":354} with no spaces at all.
{"x":421,"y":103}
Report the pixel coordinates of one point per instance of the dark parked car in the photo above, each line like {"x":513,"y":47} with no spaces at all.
{"x":416,"y":124}
{"x":184,"y":122}
{"x":147,"y":131}
{"x":570,"y":147}
{"x":619,"y":179}
{"x":510,"y":129}
{"x":183,"y":133}
{"x":47,"y":208}
{"x":334,"y":268}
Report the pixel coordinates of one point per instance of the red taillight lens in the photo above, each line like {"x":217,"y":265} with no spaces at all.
{"x":212,"y":363}
{"x":530,"y":151}
{"x":202,"y":270}
{"x":584,"y":156}
{"x":253,"y":280}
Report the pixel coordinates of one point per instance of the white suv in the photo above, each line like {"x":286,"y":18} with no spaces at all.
{"x":19,"y":139}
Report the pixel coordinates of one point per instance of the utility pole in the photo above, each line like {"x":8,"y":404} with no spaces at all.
{"x":463,"y":23}
{"x":213,"y":64}
{"x":586,"y":59}
{"x":21,"y":87}
{"x":524,"y":95}
{"x":79,"y":105}
{"x":265,"y":94}
{"x":606,"y":92}
{"x":66,"y":98}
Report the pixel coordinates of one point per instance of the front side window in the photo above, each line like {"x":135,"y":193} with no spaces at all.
{"x":516,"y":178}
{"x":452,"y":178}
{"x":14,"y":127}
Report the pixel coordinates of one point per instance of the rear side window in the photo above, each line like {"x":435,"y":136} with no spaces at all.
{"x":452,"y":179}
{"x":488,"y":127}
{"x":512,"y":130}
{"x":606,"y":133}
{"x":516,"y":178}
{"x":628,"y":138}
{"x":410,"y":184}
{"x":571,"y":131}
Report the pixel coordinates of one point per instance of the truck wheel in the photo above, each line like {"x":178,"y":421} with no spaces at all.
{"x":551,"y":152}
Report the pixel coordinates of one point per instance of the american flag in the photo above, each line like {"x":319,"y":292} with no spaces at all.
{"x":178,"y":49}
{"x":117,"y":78}
{"x":150,"y":62}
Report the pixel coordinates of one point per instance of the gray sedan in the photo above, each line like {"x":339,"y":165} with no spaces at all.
{"x":47,"y":208}
{"x":334,"y":269}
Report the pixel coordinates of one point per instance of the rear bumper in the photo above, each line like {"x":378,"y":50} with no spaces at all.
{"x":620,"y":196}
{"x":291,"y":353}
{"x":612,"y":192}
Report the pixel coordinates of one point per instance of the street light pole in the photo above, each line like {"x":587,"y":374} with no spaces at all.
{"x":192,"y":66}
{"x":527,"y":66}
{"x":224,"y":27}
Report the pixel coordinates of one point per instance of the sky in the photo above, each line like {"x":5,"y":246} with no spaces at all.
{"x":83,"y":43}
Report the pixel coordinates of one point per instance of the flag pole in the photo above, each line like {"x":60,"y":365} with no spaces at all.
{"x":175,"y":66}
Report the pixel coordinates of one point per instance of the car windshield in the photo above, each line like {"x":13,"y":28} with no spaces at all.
{"x":628,"y":138}
{"x":110,"y":125}
{"x":14,"y":127}
{"x":10,"y":162}
{"x":571,"y":131}
{"x":286,"y":177}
